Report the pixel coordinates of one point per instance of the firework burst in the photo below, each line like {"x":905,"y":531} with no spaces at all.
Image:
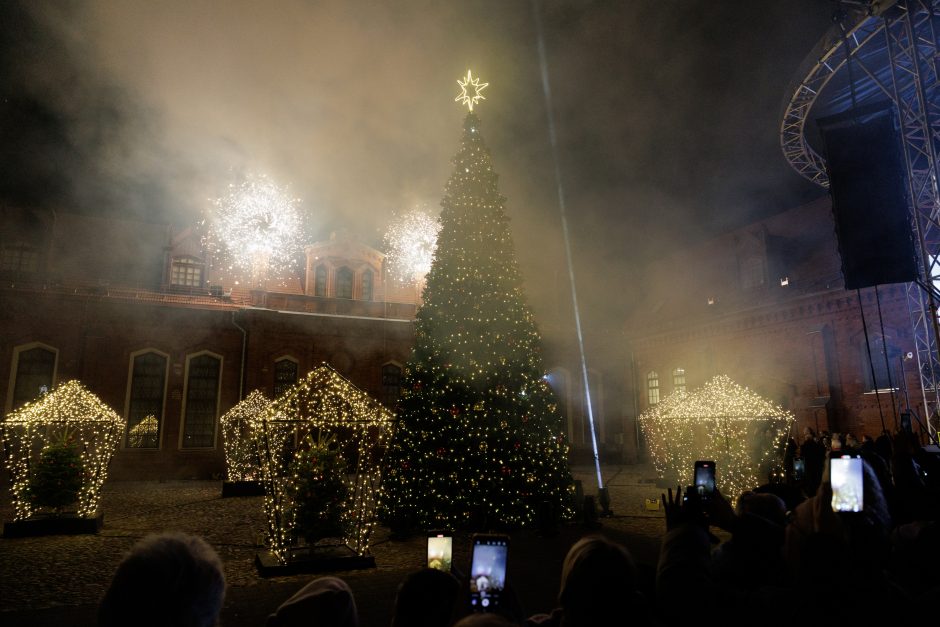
{"x":257,"y":227}
{"x":409,"y":243}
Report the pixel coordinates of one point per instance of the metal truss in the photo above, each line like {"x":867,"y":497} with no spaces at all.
{"x":894,"y":56}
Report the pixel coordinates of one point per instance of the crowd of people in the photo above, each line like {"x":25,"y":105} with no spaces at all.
{"x":786,"y":558}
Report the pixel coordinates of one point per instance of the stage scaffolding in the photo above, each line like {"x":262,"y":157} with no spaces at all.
{"x":885,"y":50}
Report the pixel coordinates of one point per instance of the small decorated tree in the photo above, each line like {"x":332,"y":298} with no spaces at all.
{"x":57,"y":478}
{"x":63,"y":439}
{"x":319,"y":492}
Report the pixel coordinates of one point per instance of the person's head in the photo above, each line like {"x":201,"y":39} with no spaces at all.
{"x":426,"y":598}
{"x":165,"y":580}
{"x":598,"y":582}
{"x":484,"y":620}
{"x":325,"y":601}
{"x":768,"y":506}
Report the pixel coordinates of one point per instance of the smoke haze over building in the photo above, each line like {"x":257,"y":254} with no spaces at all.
{"x":667,"y":114}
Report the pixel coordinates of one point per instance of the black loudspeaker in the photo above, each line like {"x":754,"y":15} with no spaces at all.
{"x":868,"y":185}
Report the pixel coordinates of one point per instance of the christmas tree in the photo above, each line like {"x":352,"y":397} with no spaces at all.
{"x":480,"y":439}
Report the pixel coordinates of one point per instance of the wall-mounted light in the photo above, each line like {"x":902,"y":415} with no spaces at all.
{"x":712,"y":300}
{"x":784,"y":281}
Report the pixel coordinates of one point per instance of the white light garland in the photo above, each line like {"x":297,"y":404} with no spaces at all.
{"x":721,"y":421}
{"x":241,"y":426}
{"x":324,"y":402}
{"x":91,"y":426}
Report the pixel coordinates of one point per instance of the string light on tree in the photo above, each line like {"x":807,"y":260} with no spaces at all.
{"x":480,"y":438}
{"x":241,"y":426}
{"x":257,"y":229}
{"x":409,"y":243}
{"x":74,"y":416}
{"x":721,"y":421}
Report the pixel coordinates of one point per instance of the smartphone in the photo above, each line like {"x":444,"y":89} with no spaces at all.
{"x":488,"y":571}
{"x":845,"y":475}
{"x":799,"y":469}
{"x":440,"y":551}
{"x":704,"y":478}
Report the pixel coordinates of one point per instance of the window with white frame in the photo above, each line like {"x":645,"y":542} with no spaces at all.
{"x":885,"y":363}
{"x":187,"y":272}
{"x":319,"y":281}
{"x":202,"y":401}
{"x":145,"y":400}
{"x":285,"y":375}
{"x":391,"y":384}
{"x":678,"y":379}
{"x":344,"y":283}
{"x":652,"y":387}
{"x":753,"y":272}
{"x":35,"y":373}
{"x":366,"y":287}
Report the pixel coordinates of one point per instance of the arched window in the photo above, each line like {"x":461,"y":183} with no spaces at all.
{"x":34,"y":373}
{"x":147,"y":386}
{"x":652,"y":387}
{"x":187,"y":272}
{"x":344,"y":283}
{"x":202,"y":400}
{"x":885,"y":358}
{"x":678,"y":379}
{"x":391,"y":384}
{"x":319,"y":281}
{"x":366,"y":291}
{"x":753,"y":271}
{"x":285,"y":375}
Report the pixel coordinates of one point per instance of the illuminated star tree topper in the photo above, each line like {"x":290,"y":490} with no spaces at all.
{"x":468,"y":85}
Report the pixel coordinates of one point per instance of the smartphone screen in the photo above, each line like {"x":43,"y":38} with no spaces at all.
{"x":845,"y":475}
{"x":705,"y":478}
{"x":440,"y":551}
{"x":488,"y":572}
{"x":799,"y":469}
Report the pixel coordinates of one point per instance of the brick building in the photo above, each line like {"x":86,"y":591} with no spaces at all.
{"x":137,"y":312}
{"x":765,"y":304}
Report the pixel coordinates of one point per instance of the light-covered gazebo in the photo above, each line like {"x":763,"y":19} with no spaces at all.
{"x":241,"y":427}
{"x":720,"y":421}
{"x":71,"y":415}
{"x":323,"y":407}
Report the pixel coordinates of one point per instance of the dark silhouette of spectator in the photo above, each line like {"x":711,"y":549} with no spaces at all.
{"x":845,"y":553}
{"x":166,"y":580}
{"x":752,"y":557}
{"x":484,"y":620}
{"x":789,"y":454}
{"x":599,"y":586}
{"x":813,"y":455}
{"x":426,"y":598}
{"x":324,"y":602}
{"x":884,"y":447}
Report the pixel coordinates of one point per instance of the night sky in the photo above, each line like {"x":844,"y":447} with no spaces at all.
{"x":667,"y":115}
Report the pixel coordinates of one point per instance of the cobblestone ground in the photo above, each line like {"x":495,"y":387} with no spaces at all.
{"x":52,"y":571}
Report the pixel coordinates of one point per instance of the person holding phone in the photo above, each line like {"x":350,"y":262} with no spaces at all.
{"x":599,"y":586}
